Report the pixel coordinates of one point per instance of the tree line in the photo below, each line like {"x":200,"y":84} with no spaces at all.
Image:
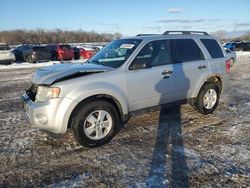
{"x":222,"y":35}
{"x":42,"y":36}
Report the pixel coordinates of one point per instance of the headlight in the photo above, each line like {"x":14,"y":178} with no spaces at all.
{"x":45,"y":93}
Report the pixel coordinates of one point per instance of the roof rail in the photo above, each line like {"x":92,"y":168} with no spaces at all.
{"x":144,"y":35}
{"x":185,"y":32}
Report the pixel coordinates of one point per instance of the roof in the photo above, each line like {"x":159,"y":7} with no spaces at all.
{"x":170,"y":36}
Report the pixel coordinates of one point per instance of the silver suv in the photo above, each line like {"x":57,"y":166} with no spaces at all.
{"x":127,"y":77}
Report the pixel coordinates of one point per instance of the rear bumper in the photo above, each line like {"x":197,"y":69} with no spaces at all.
{"x":48,"y":115}
{"x":7,"y":60}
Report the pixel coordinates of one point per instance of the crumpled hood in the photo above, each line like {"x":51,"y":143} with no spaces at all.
{"x":53,"y":73}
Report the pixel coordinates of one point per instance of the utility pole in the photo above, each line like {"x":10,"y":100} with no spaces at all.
{"x":235,"y":25}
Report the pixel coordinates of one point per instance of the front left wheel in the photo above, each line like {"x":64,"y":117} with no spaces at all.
{"x":94,"y":123}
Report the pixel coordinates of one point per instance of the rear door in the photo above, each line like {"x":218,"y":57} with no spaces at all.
{"x":149,"y":78}
{"x":189,"y":69}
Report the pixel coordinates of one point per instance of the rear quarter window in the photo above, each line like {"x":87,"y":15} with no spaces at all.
{"x":187,"y":50}
{"x":213,"y":48}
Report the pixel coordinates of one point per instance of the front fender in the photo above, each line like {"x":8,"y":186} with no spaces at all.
{"x":81,"y":93}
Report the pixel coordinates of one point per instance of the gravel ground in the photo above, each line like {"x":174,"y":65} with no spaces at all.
{"x":171,"y":148}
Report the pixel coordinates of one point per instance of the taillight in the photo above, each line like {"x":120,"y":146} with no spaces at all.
{"x":227,"y":66}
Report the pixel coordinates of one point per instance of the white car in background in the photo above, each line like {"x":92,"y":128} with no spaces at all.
{"x":6,"y":55}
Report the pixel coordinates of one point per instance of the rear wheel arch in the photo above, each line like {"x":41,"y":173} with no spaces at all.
{"x":215,"y":79}
{"x":211,"y":79}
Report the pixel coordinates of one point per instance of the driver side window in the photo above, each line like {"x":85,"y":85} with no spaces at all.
{"x":153,"y":54}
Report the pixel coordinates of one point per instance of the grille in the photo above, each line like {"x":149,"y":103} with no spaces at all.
{"x":32,"y":91}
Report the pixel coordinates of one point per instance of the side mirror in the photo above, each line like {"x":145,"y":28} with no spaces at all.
{"x":138,"y":64}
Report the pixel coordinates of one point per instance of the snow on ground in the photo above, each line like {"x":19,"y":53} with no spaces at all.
{"x":177,"y":148}
{"x":26,"y":65}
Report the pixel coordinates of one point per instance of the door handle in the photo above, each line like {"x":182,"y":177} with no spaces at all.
{"x":166,"y":73}
{"x":202,"y":66}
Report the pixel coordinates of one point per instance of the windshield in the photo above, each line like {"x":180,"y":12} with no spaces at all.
{"x":115,"y":53}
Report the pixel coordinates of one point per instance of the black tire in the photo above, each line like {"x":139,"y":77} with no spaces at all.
{"x":29,"y":59}
{"x":83,"y":112}
{"x":199,"y":104}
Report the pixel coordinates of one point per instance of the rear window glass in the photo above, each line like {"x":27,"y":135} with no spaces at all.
{"x":213,"y":48}
{"x":4,"y":47}
{"x":187,"y":50}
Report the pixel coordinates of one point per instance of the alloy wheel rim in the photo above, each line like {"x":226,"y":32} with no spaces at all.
{"x":209,"y":99}
{"x":97,"y":125}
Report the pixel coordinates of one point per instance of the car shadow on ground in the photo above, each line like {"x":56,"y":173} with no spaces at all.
{"x":168,"y":167}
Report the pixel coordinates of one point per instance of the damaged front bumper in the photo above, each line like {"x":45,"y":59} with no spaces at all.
{"x":47,"y":116}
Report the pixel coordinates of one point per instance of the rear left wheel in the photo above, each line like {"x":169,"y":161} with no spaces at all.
{"x":208,"y":98}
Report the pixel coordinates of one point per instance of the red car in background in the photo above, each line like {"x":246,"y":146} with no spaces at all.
{"x":83,"y":52}
{"x":61,"y":52}
{"x":86,"y":53}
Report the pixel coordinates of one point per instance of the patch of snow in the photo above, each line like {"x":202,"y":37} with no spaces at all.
{"x":245,"y":53}
{"x":24,"y":65}
{"x":73,"y":182}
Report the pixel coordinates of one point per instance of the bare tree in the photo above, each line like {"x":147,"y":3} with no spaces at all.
{"x":41,"y":36}
{"x":220,"y":34}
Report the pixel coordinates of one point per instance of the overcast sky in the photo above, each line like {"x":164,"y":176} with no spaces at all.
{"x":128,"y":17}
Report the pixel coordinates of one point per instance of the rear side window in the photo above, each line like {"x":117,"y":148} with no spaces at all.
{"x":187,"y":50}
{"x":213,"y":48}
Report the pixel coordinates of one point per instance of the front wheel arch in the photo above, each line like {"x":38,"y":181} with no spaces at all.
{"x":104,"y":97}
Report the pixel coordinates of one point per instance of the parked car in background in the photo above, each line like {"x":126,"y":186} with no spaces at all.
{"x":83,"y":52}
{"x":61,"y":52}
{"x":231,"y":56}
{"x":242,"y":46}
{"x":6,"y":55}
{"x":230,"y":46}
{"x":86,"y":53}
{"x":32,"y":53}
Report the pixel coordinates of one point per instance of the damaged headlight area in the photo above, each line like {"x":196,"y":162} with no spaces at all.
{"x":44,"y":93}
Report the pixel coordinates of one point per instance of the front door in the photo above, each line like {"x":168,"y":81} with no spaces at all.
{"x":149,"y":77}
